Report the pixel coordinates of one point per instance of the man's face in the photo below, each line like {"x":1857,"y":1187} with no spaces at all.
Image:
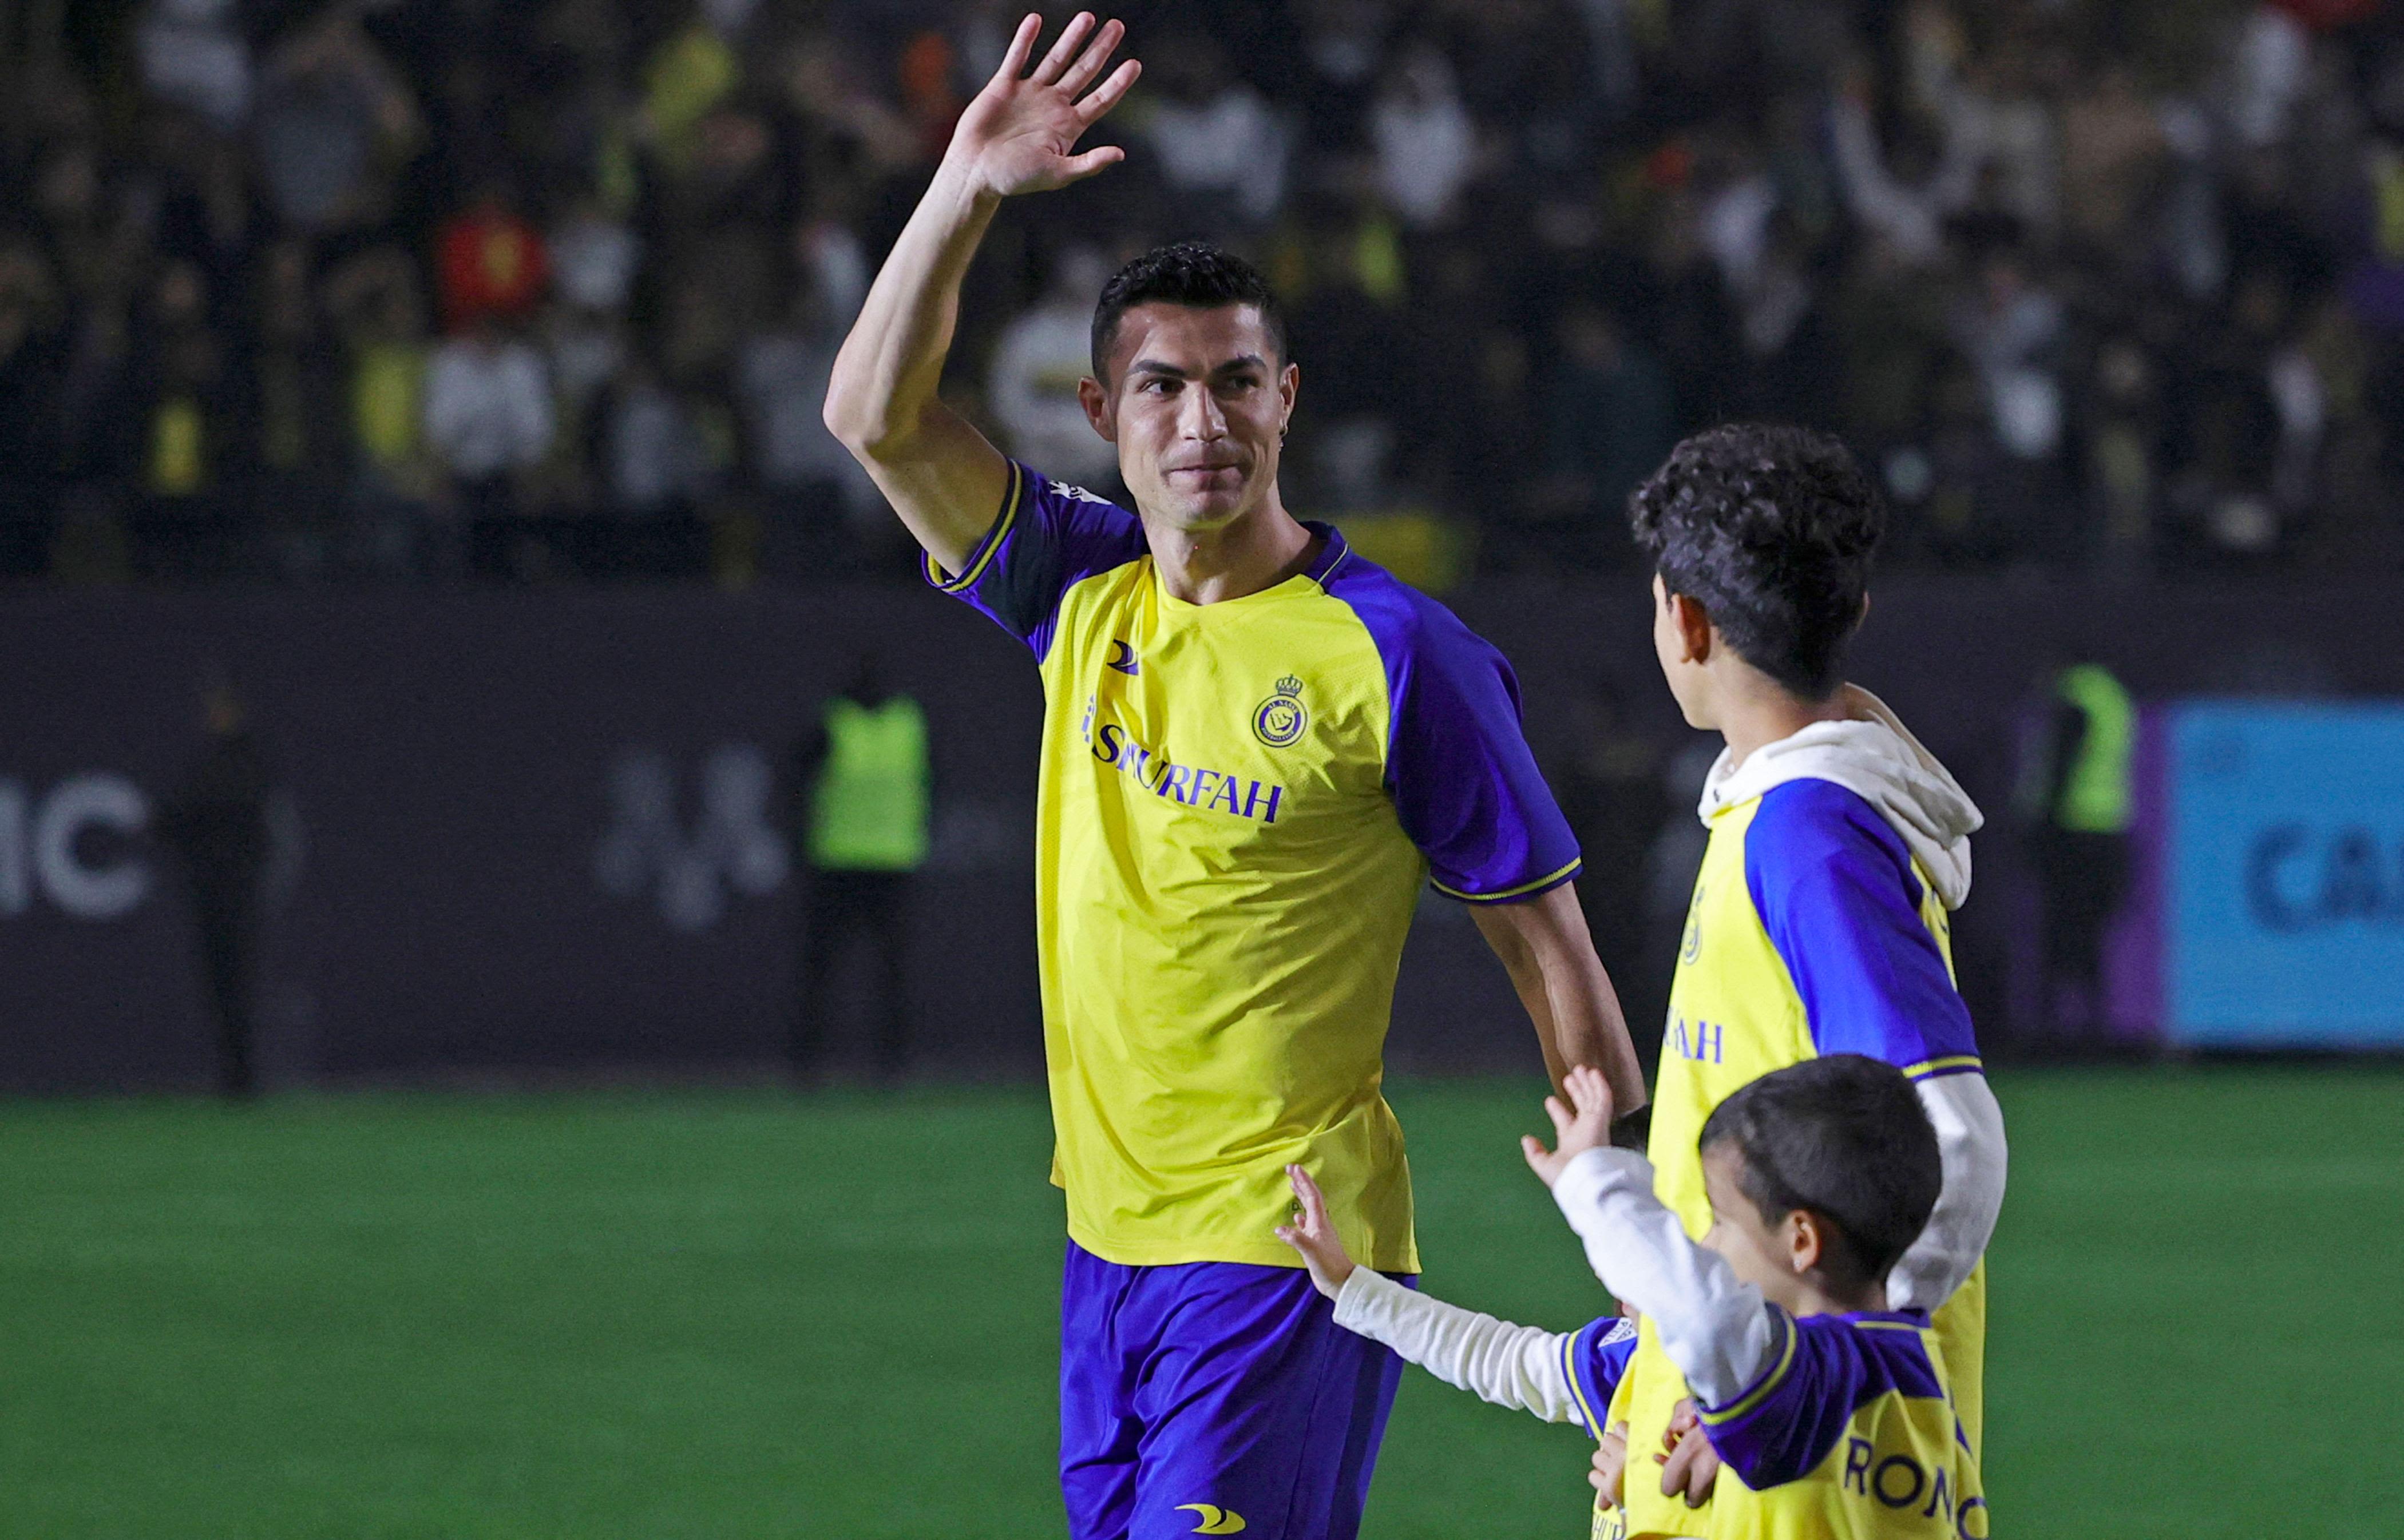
{"x":1197,"y":406}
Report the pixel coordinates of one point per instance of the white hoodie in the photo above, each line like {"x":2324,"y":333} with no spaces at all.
{"x":1872,"y":754}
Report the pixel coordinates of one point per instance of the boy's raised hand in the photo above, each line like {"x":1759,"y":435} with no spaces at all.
{"x":1574,"y":1132}
{"x":1314,"y":1235}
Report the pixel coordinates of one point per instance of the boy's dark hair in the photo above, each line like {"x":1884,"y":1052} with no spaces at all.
{"x":1845,"y":1137}
{"x":1770,"y":529}
{"x":1193,"y":274}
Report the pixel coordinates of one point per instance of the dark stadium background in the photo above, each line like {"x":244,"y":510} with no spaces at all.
{"x":438,"y":380}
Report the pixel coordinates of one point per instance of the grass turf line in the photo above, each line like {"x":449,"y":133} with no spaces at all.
{"x":402,"y":1317}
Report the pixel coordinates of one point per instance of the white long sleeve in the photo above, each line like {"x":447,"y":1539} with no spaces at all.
{"x":1970,"y":1141}
{"x":1517,"y":1366}
{"x":1715,"y":1327}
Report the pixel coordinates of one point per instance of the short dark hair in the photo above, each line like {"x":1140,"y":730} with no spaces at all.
{"x":1771,"y":530}
{"x":1846,"y":1138}
{"x":1191,"y":272}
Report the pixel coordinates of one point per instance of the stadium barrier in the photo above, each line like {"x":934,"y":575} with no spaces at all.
{"x":527,"y":833}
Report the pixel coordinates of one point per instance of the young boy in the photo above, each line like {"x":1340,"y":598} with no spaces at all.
{"x":1821,"y":918}
{"x":1829,"y":1409}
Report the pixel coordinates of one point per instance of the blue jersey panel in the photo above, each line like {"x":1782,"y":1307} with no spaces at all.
{"x":1833,"y":885}
{"x":1826,"y":1368}
{"x":1047,"y":538}
{"x":1464,"y":783}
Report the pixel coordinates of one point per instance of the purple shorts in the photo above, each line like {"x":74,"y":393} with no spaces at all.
{"x":1214,"y":1398}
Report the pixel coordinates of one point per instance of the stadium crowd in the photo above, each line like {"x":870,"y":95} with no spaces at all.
{"x":391,"y":290}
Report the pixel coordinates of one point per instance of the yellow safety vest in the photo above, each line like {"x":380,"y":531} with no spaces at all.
{"x":870,"y":809}
{"x":2095,"y":798}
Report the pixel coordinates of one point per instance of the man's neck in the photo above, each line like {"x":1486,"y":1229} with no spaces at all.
{"x":1755,"y":712}
{"x":1244,"y":556}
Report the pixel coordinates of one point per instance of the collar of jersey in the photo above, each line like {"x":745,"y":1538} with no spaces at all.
{"x":1885,"y":1317}
{"x":1332,"y":555}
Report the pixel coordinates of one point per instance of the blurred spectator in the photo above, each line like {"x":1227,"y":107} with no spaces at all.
{"x":32,"y":372}
{"x":1216,"y":138}
{"x":488,"y":417}
{"x":1609,"y":421}
{"x":332,"y":122}
{"x":192,"y":55}
{"x":491,"y":263}
{"x":818,"y":492}
{"x":2089,"y":284}
{"x":216,"y":822}
{"x":381,"y":316}
{"x":1032,"y":386}
{"x":302,"y":437}
{"x":185,"y":434}
{"x":1426,"y":147}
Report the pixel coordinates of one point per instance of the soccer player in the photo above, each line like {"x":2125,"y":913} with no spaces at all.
{"x":1821,"y":921}
{"x":1256,"y":745}
{"x":1830,"y":1409}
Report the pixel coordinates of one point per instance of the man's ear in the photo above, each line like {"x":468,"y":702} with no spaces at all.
{"x":1288,"y":387}
{"x":1094,"y":397}
{"x":1806,"y":1238}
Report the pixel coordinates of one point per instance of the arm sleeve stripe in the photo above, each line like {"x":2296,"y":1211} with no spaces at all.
{"x":1767,"y":1382}
{"x":1525,"y":890}
{"x":1959,"y":1064}
{"x":982,"y":555}
{"x":1577,"y":1389}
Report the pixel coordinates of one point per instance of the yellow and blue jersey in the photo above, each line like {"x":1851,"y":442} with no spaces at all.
{"x":1811,"y":931}
{"x":1850,"y":1435}
{"x":1238,"y":804}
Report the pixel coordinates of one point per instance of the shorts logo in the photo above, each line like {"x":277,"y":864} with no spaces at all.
{"x":1214,"y":1520}
{"x":1280,"y":718}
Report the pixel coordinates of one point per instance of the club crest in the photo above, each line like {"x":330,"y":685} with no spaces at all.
{"x":1280,"y":719}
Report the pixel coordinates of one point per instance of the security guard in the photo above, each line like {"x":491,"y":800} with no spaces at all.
{"x":2079,"y":800}
{"x":859,"y":817}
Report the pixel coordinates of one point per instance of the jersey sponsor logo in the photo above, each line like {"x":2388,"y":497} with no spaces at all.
{"x":1280,"y":719}
{"x":1122,"y":659}
{"x":1210,"y":1519}
{"x":1188,"y":785}
{"x":1691,"y":947}
{"x":1700,"y":1041}
{"x":1899,"y":1481}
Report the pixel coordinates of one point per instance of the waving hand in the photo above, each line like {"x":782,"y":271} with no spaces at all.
{"x":1020,"y":135}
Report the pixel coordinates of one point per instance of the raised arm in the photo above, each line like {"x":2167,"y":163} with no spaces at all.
{"x":1019,"y":135}
{"x":1545,"y":948}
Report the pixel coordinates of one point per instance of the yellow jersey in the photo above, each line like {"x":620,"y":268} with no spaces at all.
{"x":1237,"y":805}
{"x":1850,"y":1435}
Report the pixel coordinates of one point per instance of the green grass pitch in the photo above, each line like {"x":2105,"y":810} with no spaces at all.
{"x":729,"y":1315}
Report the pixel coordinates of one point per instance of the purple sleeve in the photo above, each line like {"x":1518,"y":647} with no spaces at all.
{"x":1835,"y":889}
{"x":1596,"y":1357}
{"x":1457,"y":766}
{"x":1826,"y":1368}
{"x":1046,"y":538}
